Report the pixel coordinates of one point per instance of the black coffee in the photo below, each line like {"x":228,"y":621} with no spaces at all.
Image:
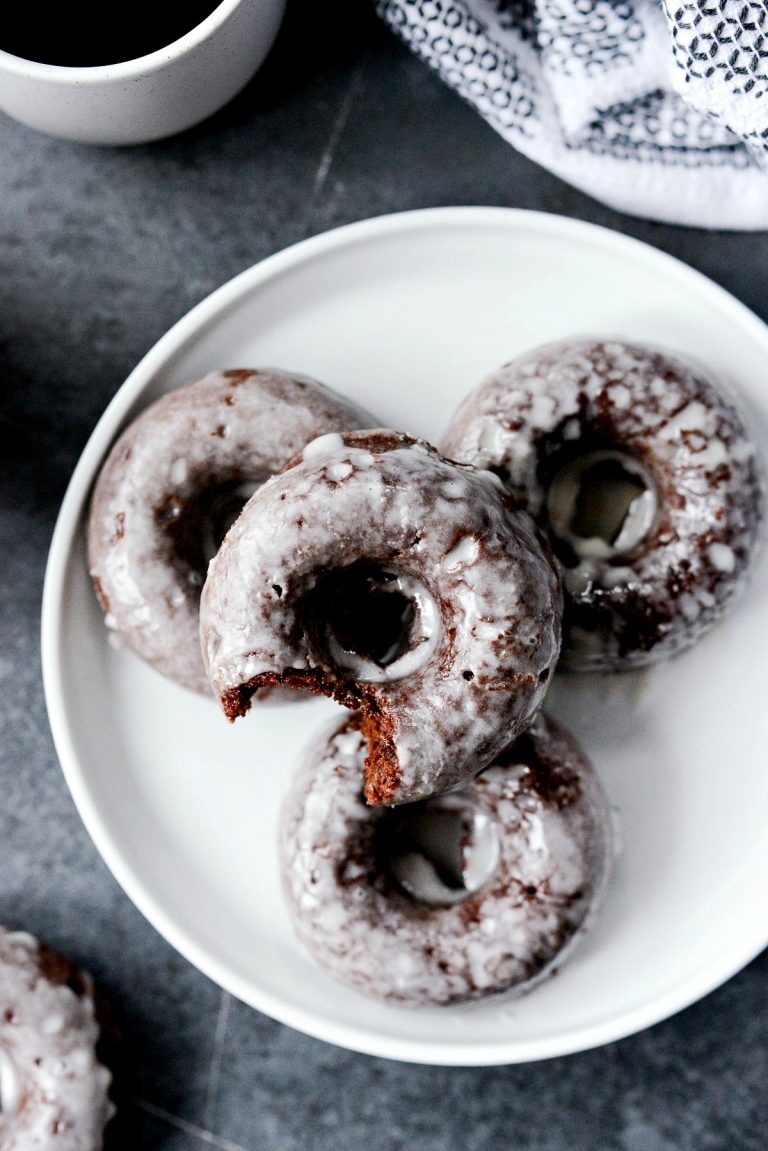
{"x":85,"y":34}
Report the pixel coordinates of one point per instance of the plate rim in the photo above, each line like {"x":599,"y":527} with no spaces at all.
{"x":64,"y":539}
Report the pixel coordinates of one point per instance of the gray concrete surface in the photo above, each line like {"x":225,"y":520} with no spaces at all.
{"x":101,"y":251}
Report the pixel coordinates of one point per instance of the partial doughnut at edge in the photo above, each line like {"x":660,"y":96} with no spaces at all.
{"x":55,"y":1090}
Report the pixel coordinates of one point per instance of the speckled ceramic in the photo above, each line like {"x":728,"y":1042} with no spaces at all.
{"x":153,"y":96}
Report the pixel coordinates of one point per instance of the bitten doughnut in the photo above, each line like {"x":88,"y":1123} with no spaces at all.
{"x":54,"y":1092}
{"x":645,"y":478}
{"x":458,"y":897}
{"x":376,"y":572}
{"x":172,"y":485}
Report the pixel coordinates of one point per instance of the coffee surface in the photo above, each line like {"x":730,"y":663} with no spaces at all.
{"x":87,"y":35}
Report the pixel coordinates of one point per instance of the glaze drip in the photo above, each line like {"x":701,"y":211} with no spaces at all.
{"x":371,"y":622}
{"x":10,"y":1084}
{"x":199,"y":529}
{"x":601,"y":505}
{"x":440,"y":851}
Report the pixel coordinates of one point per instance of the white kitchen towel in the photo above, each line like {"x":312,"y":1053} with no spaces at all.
{"x":658,"y":111}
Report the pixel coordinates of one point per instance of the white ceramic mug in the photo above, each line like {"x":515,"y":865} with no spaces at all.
{"x":153,"y":96}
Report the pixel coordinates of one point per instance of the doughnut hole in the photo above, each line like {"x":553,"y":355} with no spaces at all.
{"x":10,"y":1084}
{"x":371,"y":622}
{"x":600,"y":506}
{"x":197,"y":525}
{"x":441,"y":851}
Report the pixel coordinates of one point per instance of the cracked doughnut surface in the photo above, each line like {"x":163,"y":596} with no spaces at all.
{"x":53,"y":1089}
{"x":375,"y":524}
{"x":684,"y":552}
{"x":173,"y":482}
{"x":359,"y":924}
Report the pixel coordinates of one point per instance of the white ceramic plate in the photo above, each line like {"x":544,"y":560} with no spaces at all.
{"x":406,"y":313}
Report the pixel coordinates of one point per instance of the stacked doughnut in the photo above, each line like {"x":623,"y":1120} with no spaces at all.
{"x":448,"y":841}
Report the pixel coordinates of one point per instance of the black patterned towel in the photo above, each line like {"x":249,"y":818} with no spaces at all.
{"x":660,"y":110}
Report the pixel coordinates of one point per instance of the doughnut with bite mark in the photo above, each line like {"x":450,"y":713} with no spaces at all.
{"x":376,"y":572}
{"x":54,"y":1091}
{"x":458,"y":897}
{"x":174,"y":482}
{"x":645,"y":478}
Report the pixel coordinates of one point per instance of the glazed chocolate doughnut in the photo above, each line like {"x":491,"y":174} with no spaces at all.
{"x":645,"y":478}
{"x":171,"y":486}
{"x":376,"y":572}
{"x":458,"y":897}
{"x":54,"y":1091}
